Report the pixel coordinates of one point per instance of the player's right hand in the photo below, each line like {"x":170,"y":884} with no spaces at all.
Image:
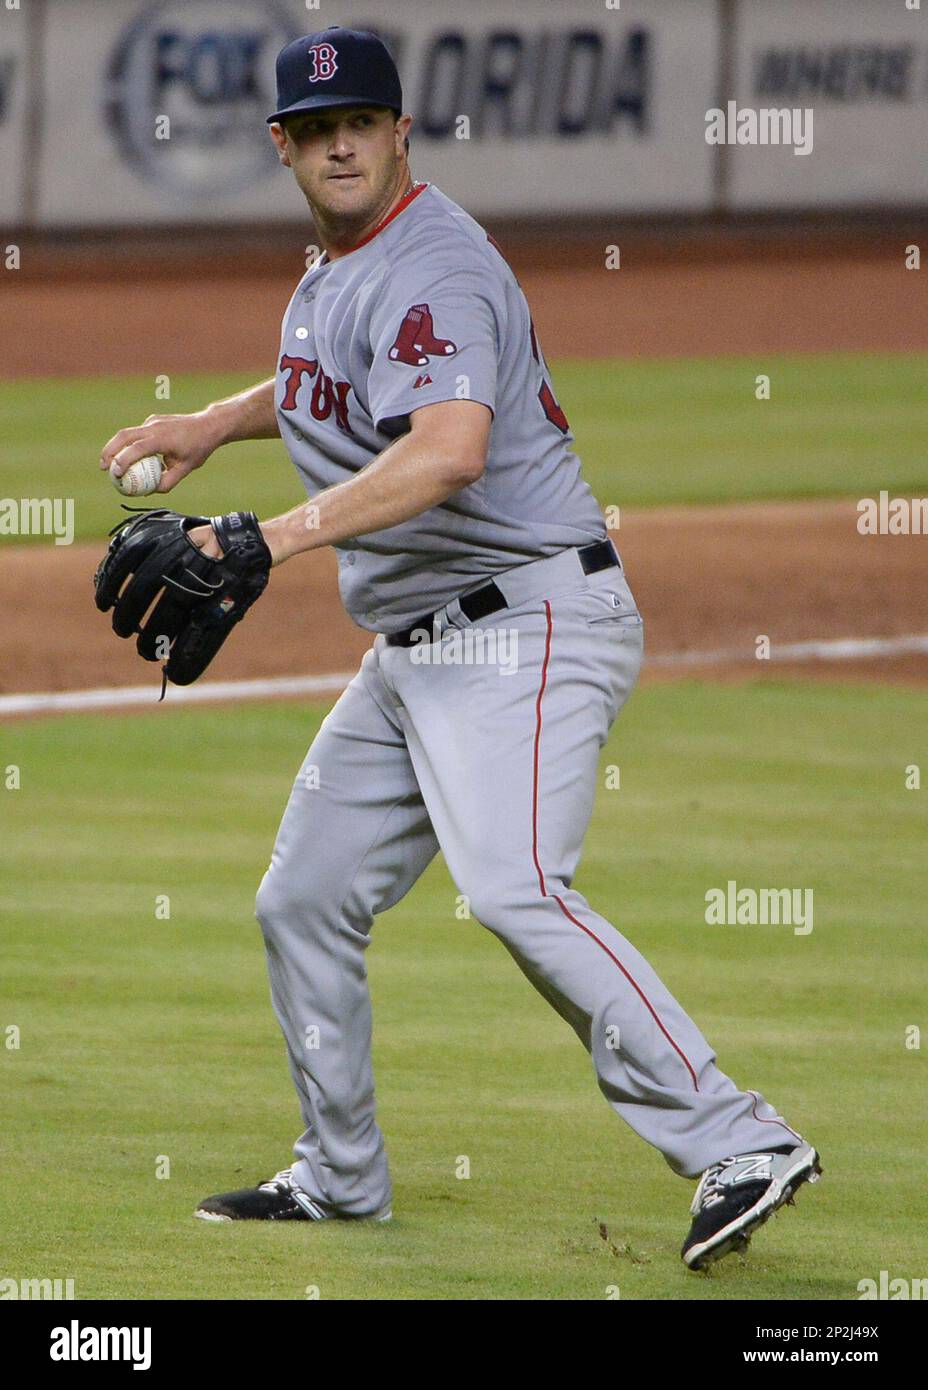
{"x":184,"y":442}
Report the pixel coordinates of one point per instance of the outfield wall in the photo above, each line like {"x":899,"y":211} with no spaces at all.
{"x":151,"y":112}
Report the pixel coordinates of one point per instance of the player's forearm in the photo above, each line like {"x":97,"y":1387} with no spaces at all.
{"x":402,"y":482}
{"x":246,"y":415}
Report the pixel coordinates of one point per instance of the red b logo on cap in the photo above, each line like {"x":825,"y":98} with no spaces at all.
{"x":325,"y":63}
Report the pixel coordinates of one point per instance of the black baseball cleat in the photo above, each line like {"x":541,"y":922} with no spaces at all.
{"x":278,"y":1199}
{"x":738,"y":1194}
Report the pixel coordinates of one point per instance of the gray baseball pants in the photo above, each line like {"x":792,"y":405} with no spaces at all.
{"x":494,"y":762}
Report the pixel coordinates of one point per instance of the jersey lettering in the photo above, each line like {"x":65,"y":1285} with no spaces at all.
{"x":547,"y":397}
{"x":321,"y":403}
{"x":340,"y":404}
{"x":298,"y":367}
{"x":327,"y":395}
{"x":551,"y":408}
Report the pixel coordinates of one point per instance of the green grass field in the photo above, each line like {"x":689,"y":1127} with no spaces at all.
{"x":649,"y":433}
{"x":142,"y":1038}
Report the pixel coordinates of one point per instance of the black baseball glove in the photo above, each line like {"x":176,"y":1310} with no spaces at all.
{"x":193,"y":602}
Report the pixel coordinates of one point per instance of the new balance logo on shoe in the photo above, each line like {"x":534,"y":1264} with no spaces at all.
{"x":738,"y":1194}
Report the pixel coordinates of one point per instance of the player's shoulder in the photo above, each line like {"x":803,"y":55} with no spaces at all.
{"x":438,"y":235}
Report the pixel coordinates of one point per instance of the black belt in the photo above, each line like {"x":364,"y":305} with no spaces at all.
{"x":600,"y":555}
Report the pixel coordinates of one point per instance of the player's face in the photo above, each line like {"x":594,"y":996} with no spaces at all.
{"x":346,"y":160}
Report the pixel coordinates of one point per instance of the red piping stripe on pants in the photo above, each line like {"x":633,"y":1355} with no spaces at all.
{"x":541,"y":878}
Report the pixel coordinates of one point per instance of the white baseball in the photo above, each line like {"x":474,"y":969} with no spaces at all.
{"x":140,"y":479}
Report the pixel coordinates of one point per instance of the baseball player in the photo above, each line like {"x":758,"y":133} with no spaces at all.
{"x":414,"y":399}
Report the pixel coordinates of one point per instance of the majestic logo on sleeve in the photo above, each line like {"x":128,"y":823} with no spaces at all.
{"x":327,"y":395}
{"x":325,"y":62}
{"x":416,"y":341}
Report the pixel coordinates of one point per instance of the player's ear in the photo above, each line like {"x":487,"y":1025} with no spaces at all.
{"x":279,"y":136}
{"x":401,"y":131}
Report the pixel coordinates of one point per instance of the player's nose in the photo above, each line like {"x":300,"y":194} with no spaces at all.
{"x":341,"y":146}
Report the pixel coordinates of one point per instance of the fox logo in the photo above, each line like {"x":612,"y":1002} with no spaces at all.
{"x":416,"y":340}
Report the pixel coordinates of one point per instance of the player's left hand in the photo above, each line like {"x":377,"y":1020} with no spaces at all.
{"x":205,"y":538}
{"x":189,"y":595}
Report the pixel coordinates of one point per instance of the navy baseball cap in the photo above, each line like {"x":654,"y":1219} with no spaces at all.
{"x":336,"y":67}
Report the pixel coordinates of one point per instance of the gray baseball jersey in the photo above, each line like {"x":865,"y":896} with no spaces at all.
{"x":426,"y":309}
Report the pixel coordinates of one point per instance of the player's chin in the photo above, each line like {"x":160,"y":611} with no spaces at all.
{"x":349,"y":199}
{"x":347,"y":190}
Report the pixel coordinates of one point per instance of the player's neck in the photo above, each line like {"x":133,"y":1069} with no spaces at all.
{"x":340,"y":240}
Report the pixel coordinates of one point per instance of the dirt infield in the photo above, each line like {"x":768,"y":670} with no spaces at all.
{"x":708,"y":580}
{"x":111,"y":314}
